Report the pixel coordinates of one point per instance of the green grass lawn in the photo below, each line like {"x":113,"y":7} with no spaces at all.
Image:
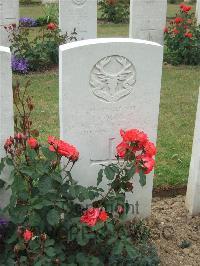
{"x":177,"y":108}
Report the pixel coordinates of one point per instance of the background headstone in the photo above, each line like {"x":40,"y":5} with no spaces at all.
{"x":198,"y":12}
{"x":79,"y":14}
{"x":106,"y":85}
{"x":9,"y":14}
{"x":148,"y":19}
{"x":193,"y":188}
{"x":6,"y":109}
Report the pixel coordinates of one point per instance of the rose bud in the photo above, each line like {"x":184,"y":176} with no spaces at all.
{"x":33,"y":143}
{"x":129,"y":186}
{"x":43,"y":237}
{"x":57,"y":261}
{"x":120,"y":209}
{"x":27,"y":235}
{"x":20,"y":231}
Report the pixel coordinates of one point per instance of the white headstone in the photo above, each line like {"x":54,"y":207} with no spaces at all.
{"x":148,"y":19}
{"x":198,"y":12}
{"x":78,"y":14}
{"x":9,"y":14}
{"x":6,"y":109}
{"x":193,"y":188}
{"x":107,"y":85}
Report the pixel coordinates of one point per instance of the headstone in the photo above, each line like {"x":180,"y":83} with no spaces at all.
{"x":198,"y":12}
{"x":107,"y":85}
{"x":148,"y":19}
{"x":6,"y":109}
{"x":9,"y":14}
{"x":193,"y":187}
{"x":80,"y":15}
{"x":49,"y":2}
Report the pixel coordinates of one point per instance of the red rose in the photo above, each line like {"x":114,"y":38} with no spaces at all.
{"x":188,"y":35}
{"x":51,"y":26}
{"x":134,"y":138}
{"x":27,"y":235}
{"x":146,"y":163}
{"x":178,"y":20}
{"x":150,"y":149}
{"x":121,"y":149}
{"x":166,"y":30}
{"x":185,"y":8}
{"x":175,"y":31}
{"x":90,"y":216}
{"x":33,"y":143}
{"x":120,"y":209}
{"x":9,"y":142}
{"x":103,"y":216}
{"x":63,"y":148}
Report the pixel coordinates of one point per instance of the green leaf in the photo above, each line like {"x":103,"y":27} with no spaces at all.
{"x":50,"y":251}
{"x":142,"y":179}
{"x":82,"y":238}
{"x":53,"y":217}
{"x":100,"y":177}
{"x":109,"y":172}
{"x":44,"y":185}
{"x":2,"y":165}
{"x":34,"y":219}
{"x":48,"y":154}
{"x":9,"y":161}
{"x":131,"y":172}
{"x":49,"y":242}
{"x":118,"y":248}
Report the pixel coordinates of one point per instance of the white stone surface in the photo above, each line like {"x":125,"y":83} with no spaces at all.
{"x":106,"y":85}
{"x":6,"y":109}
{"x":198,"y":12}
{"x":9,"y":14}
{"x":49,"y":1}
{"x":193,"y":187}
{"x":79,"y":14}
{"x":148,"y":19}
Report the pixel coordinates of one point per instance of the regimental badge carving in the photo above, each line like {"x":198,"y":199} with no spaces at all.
{"x":79,"y":2}
{"x":113,"y":78}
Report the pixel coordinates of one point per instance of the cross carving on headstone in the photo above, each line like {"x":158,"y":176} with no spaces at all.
{"x":111,"y":154}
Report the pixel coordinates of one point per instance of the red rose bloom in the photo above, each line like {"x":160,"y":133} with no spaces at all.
{"x":63,"y":148}
{"x":51,"y":26}
{"x":90,"y":216}
{"x":188,"y":34}
{"x":175,"y":31}
{"x":186,"y":9}
{"x":178,"y":20}
{"x":150,"y":149}
{"x":134,"y":138}
{"x":27,"y":235}
{"x":146,"y":163}
{"x":165,"y":30}
{"x":103,"y":216}
{"x":121,"y":149}
{"x":33,"y":143}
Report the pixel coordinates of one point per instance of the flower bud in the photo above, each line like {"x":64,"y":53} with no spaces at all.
{"x":43,"y":237}
{"x":129,"y":186}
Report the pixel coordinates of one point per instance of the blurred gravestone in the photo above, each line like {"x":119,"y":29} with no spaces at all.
{"x":148,"y":19}
{"x":9,"y":14}
{"x":6,"y":110}
{"x":80,"y":15}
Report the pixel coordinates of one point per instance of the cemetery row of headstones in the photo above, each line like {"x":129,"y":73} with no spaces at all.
{"x":118,"y":87}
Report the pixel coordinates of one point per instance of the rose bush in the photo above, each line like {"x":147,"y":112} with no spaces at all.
{"x":49,"y":221}
{"x":38,"y":52}
{"x":182,"y":38}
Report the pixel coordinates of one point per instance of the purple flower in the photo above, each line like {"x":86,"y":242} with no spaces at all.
{"x":3,"y":222}
{"x":27,"y":22}
{"x":19,"y":65}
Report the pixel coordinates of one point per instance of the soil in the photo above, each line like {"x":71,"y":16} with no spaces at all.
{"x":175,"y":233}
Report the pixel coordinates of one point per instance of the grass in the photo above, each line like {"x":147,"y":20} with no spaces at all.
{"x":177,"y":108}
